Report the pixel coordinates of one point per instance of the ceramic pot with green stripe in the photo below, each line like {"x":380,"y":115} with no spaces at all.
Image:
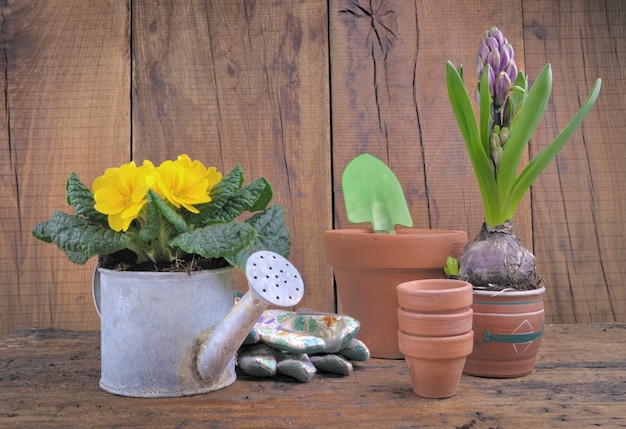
{"x":508,"y":326}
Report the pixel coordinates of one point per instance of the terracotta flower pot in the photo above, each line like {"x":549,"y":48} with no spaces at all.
{"x":435,"y":363}
{"x":435,"y":295}
{"x":508,"y":327}
{"x":435,"y":307}
{"x":435,"y":324}
{"x":368,"y":267}
{"x":435,"y":334}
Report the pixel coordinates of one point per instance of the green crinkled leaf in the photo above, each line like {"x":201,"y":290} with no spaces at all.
{"x":271,"y":234}
{"x":168,"y":212}
{"x":227,"y":187}
{"x":79,"y":238}
{"x":257,"y":195}
{"x":216,"y":240}
{"x":79,"y":196}
{"x":212,"y":212}
{"x":229,"y":200}
{"x":253,"y":197}
{"x":150,"y":230}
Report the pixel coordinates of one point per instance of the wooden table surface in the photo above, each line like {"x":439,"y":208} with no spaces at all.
{"x":49,"y":379}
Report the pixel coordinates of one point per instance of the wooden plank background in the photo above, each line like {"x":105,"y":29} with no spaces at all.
{"x":293,"y":90}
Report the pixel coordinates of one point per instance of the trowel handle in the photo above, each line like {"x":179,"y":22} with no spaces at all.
{"x":215,"y":354}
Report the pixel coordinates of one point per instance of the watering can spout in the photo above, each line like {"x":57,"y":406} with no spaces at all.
{"x":272,"y":280}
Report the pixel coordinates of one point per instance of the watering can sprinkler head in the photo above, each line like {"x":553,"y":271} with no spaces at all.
{"x":272,"y":280}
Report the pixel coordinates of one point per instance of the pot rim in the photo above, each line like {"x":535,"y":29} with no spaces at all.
{"x":148,"y":275}
{"x":405,"y":233}
{"x":409,"y":248}
{"x":441,"y":286}
{"x":153,"y":274}
{"x":512,"y":293}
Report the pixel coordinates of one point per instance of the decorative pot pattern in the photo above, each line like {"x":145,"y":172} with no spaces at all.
{"x":368,"y":267}
{"x":508,"y":327}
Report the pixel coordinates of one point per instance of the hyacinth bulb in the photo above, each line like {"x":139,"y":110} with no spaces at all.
{"x":496,"y":259}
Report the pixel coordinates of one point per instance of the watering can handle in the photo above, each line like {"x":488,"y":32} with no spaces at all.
{"x":95,"y":289}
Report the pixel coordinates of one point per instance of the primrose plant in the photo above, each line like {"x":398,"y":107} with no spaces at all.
{"x":179,"y":215}
{"x":509,"y":112}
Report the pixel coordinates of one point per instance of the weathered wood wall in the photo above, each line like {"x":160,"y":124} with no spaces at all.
{"x":292,"y":91}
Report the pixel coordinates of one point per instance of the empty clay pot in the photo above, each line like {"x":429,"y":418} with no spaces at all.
{"x":435,"y":335}
{"x":435,"y":363}
{"x":435,"y":295}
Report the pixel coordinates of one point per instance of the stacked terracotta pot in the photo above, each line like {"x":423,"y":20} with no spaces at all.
{"x":435,"y":333}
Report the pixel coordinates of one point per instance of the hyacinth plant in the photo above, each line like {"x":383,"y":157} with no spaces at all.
{"x":177,"y":216}
{"x":509,"y":112}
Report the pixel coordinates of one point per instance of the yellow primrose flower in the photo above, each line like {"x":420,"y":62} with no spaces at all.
{"x":121,"y":193}
{"x":183,"y":183}
{"x":198,"y":167}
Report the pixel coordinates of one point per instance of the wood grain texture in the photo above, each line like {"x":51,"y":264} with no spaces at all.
{"x":50,"y":379}
{"x":389,"y":98}
{"x":374,"y":47}
{"x":293,"y":91}
{"x":66,"y":82}
{"x":243,"y":82}
{"x":573,"y":218}
{"x":579,"y":203}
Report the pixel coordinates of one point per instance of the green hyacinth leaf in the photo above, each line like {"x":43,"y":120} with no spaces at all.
{"x":525,"y":124}
{"x":481,"y":163}
{"x":373,"y":194}
{"x":536,"y":166}
{"x":485,"y":109}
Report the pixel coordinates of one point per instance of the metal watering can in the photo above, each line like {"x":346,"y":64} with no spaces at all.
{"x":160,"y":339}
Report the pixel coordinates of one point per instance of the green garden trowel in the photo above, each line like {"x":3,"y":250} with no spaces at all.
{"x":373,"y":194}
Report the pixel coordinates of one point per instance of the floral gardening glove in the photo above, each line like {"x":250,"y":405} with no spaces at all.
{"x":297,"y":343}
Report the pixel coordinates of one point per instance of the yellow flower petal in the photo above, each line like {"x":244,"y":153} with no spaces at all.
{"x":121,"y":192}
{"x":213,"y":177}
{"x":109,"y":201}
